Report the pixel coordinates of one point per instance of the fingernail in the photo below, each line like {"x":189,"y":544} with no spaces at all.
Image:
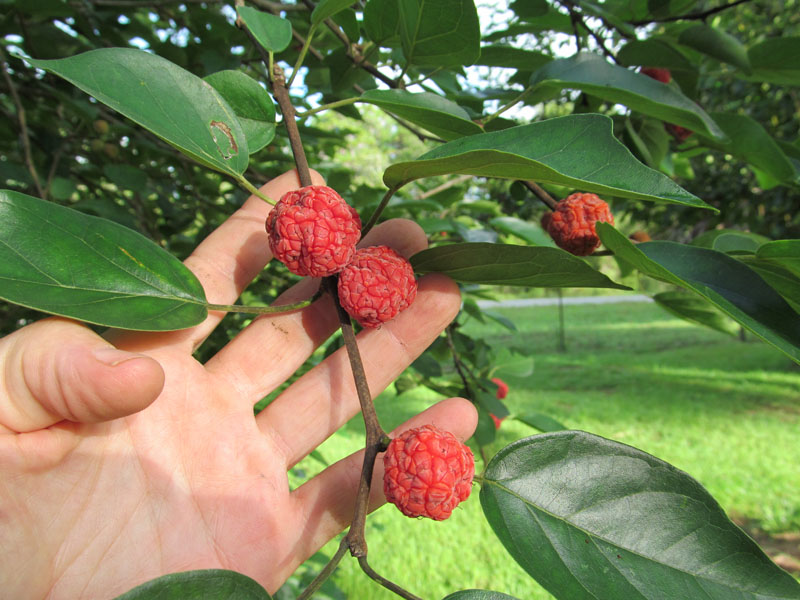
{"x":110,"y":356}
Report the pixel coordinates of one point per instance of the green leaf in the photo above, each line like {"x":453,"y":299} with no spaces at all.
{"x":445,"y":33}
{"x":716,"y":44}
{"x":506,"y":264}
{"x":748,"y":140}
{"x":695,"y":309}
{"x":730,"y":240}
{"x":327,"y":8}
{"x":775,"y":60}
{"x":174,"y":104}
{"x":512,"y":58}
{"x":91,"y":269}
{"x":727,"y":283}
{"x":210,"y":584}
{"x":491,"y":404}
{"x":531,"y":233}
{"x":594,"y":75}
{"x":273,"y":33}
{"x":592,"y":518}
{"x":577,"y":151}
{"x":382,"y":22}
{"x":438,"y":115}
{"x":783,"y":252}
{"x":660,"y":53}
{"x":781,"y":279}
{"x":541,"y":421}
{"x":478,"y":595}
{"x":251,"y":103}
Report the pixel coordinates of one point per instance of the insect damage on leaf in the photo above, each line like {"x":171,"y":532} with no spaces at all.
{"x":228,"y":150}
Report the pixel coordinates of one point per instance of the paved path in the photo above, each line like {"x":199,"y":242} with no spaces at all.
{"x":522,"y":302}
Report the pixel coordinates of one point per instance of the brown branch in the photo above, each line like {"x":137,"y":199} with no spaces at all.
{"x":541,"y":193}
{"x":23,"y":126}
{"x":696,"y":16}
{"x":287,"y":110}
{"x":362,"y":560}
{"x":267,"y":4}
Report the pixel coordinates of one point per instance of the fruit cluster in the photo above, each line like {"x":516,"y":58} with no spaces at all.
{"x":314,"y":232}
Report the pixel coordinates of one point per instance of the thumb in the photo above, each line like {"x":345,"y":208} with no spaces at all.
{"x":57,"y":369}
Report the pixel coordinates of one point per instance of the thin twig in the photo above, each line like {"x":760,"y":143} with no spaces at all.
{"x":23,"y":126}
{"x":696,"y":16}
{"x":326,"y":572}
{"x":362,"y":561}
{"x":377,"y":439}
{"x":377,"y":212}
{"x":541,"y":193}
{"x":287,"y":110}
{"x":457,"y":361}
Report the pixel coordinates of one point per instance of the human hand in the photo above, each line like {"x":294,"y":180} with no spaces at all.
{"x":118,"y":465}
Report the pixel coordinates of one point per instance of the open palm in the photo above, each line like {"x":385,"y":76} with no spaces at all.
{"x":117,"y":466}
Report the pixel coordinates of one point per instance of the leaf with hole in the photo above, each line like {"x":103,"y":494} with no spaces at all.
{"x":169,"y":101}
{"x":209,"y":584}
{"x":727,"y":283}
{"x":506,"y":264}
{"x":251,"y":103}
{"x":596,"y":76}
{"x":592,"y":518}
{"x":91,"y":269}
{"x":577,"y":151}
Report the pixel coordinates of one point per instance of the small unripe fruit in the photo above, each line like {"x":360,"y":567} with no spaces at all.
{"x":676,"y":131}
{"x":376,"y":285}
{"x":101,"y":126}
{"x":313,"y":231}
{"x":428,"y":472}
{"x":640,"y":236}
{"x":572,"y":224}
{"x":502,"y":387}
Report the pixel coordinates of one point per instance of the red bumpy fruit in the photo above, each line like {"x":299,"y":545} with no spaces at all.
{"x":679,"y":133}
{"x":376,"y":285}
{"x":662,"y":75}
{"x":502,"y":392}
{"x":427,"y":472}
{"x":572,"y":223}
{"x":313,"y":231}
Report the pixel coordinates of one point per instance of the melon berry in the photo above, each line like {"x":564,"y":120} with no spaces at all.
{"x":572,"y":224}
{"x":313,"y":231}
{"x":659,"y":74}
{"x":427,"y":472}
{"x":376,"y":285}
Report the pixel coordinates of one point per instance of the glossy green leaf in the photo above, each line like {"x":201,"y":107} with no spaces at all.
{"x":174,"y":104}
{"x":728,"y":284}
{"x":445,"y":33}
{"x":775,"y":60}
{"x":478,"y":595}
{"x":783,"y":252}
{"x":578,"y":151}
{"x":210,"y":584}
{"x":273,"y":33}
{"x":506,"y":264}
{"x":541,"y":421}
{"x":591,"y":518}
{"x":382,"y":22}
{"x":530,"y":232}
{"x":695,"y":309}
{"x":730,"y":240}
{"x":748,"y":140}
{"x":781,"y":279}
{"x":251,"y":103}
{"x":660,"y":53}
{"x":492,"y":404}
{"x":436,"y":114}
{"x":717,"y":44}
{"x":91,"y":269}
{"x":510,"y":57}
{"x":327,"y":8}
{"x":596,"y":76}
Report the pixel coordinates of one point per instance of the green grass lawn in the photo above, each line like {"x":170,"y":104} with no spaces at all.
{"x":726,"y":412}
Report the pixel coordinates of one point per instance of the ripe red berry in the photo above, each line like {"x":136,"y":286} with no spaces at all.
{"x":572,"y":224}
{"x":497,"y":420}
{"x":376,"y":285}
{"x":502,"y":387}
{"x":427,"y":472}
{"x":678,"y":132}
{"x":662,"y":75}
{"x":313,"y":231}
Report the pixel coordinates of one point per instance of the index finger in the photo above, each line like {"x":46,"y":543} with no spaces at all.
{"x":227,"y":261}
